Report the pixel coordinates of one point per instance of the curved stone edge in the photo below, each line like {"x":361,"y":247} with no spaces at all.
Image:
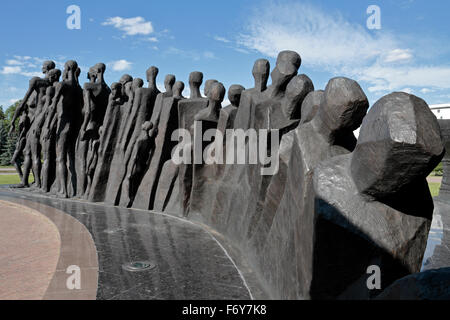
{"x":34,"y":276}
{"x":248,"y":275}
{"x":77,"y":249}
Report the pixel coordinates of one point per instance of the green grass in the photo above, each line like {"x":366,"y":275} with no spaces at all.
{"x":14,"y":179}
{"x":11,"y":179}
{"x":434,"y":188}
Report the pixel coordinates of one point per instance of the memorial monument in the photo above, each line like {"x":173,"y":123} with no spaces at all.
{"x":332,"y":206}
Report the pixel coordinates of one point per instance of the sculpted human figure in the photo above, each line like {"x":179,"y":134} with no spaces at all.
{"x":341,"y":111}
{"x":310,"y":106}
{"x":96,"y":93}
{"x":251,"y":97}
{"x":188,"y":108}
{"x":330,"y":132}
{"x":208,"y":176}
{"x":169,"y":82}
{"x":270,"y":109}
{"x":140,"y":158}
{"x":33,"y":100}
{"x":107,"y":143}
{"x":126,"y":82}
{"x":374,"y":202}
{"x":147,"y":181}
{"x":95,"y":96}
{"x":77,"y":75}
{"x":143,"y":103}
{"x":67,"y":105}
{"x":234,"y":95}
{"x":48,"y":136}
{"x":177,"y":90}
{"x":115,"y":101}
{"x":228,"y":114}
{"x":195,"y":81}
{"x":24,"y":126}
{"x":143,"y":107}
{"x":287,"y":65}
{"x":130,"y":89}
{"x":115,"y":175}
{"x":91,"y":164}
{"x":208,"y":85}
{"x":284,"y":114}
{"x":216,"y":94}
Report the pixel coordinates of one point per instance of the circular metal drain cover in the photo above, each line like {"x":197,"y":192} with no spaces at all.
{"x":138,"y":266}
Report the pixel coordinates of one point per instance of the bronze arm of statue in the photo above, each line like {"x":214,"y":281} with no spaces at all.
{"x":35,"y":84}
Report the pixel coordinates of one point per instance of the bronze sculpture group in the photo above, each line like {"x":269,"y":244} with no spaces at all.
{"x":336,"y":205}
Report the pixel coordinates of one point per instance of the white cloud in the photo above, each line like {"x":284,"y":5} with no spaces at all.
{"x":11,"y":70}
{"x":323,"y":39}
{"x":328,"y":42}
{"x":241,"y":50}
{"x":27,"y":66}
{"x":408,"y":90}
{"x":32,"y":74}
{"x":209,"y":55}
{"x":221,"y":39}
{"x":385,"y":78}
{"x":191,"y":54}
{"x":13,"y":62}
{"x":426,"y":90}
{"x":152,"y":39}
{"x":120,"y":65}
{"x":23,"y":57}
{"x":131,"y":26}
{"x":398,"y":55}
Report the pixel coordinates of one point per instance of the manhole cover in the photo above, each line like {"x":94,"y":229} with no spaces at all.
{"x":138,"y":266}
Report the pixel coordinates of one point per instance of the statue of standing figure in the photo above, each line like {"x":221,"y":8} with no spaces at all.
{"x":48,"y":136}
{"x":110,"y":133}
{"x":95,"y":96}
{"x":67,"y":106}
{"x":142,"y":109}
{"x":33,"y":102}
{"x":24,"y":126}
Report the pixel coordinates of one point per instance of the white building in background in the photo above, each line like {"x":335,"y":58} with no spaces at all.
{"x":441,"y":111}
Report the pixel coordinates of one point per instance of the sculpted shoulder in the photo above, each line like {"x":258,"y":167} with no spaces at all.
{"x":37,"y":82}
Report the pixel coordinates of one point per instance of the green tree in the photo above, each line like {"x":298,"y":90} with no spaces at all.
{"x":9,"y":113}
{"x":3,"y":135}
{"x":8,"y":148}
{"x":7,"y":143}
{"x":2,"y":114}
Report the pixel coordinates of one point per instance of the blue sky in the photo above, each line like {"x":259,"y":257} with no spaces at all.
{"x":411,"y":51}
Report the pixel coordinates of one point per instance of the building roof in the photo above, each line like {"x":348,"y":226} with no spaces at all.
{"x":440,"y":106}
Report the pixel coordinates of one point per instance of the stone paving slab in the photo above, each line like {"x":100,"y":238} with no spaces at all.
{"x":190,"y":262}
{"x":72,"y":246}
{"x":29,"y":253}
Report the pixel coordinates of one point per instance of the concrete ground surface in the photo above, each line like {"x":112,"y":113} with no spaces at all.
{"x":189,"y":260}
{"x":39,"y":246}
